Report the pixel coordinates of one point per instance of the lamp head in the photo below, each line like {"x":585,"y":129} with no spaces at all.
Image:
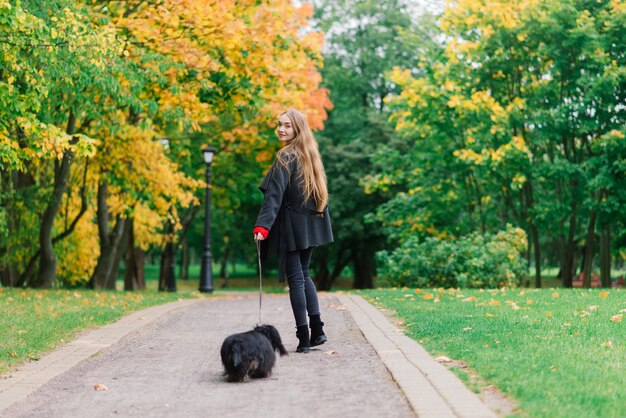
{"x":208,"y":153}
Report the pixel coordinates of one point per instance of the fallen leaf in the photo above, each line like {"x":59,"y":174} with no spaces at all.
{"x":341,"y":308}
{"x":22,"y":331}
{"x":623,"y":310}
{"x":330,"y":353}
{"x":494,"y":302}
{"x":617,"y":318}
{"x":603,"y":294}
{"x":77,"y":295}
{"x":443,"y":359}
{"x":467,"y":329}
{"x":607,"y":344}
{"x":549,"y":314}
{"x":100,"y":386}
{"x":489,"y":315}
{"x":469,"y":299}
{"x":593,"y":308}
{"x":428,"y":296}
{"x":555,"y":295}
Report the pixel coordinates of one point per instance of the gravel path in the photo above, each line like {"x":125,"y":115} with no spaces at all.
{"x":172,"y":368}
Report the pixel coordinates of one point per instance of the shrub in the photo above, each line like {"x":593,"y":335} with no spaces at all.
{"x":476,"y":260}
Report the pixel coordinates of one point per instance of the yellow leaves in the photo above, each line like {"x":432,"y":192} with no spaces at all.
{"x":470,"y":299}
{"x":489,"y":315}
{"x":555,"y":295}
{"x":428,"y":296}
{"x":603,"y":294}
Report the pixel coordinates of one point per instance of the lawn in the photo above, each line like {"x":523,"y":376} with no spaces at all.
{"x":559,"y":352}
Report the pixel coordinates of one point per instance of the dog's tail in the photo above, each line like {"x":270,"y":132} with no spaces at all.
{"x":236,"y":354}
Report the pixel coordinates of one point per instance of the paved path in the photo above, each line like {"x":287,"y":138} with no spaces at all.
{"x":164,"y":362}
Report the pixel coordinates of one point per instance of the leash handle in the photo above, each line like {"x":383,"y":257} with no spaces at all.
{"x":258,"y":254}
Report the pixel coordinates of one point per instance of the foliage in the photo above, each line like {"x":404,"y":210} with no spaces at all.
{"x":357,"y":57}
{"x":500,"y":124}
{"x":129,"y":75}
{"x":559,"y":353}
{"x":476,"y":260}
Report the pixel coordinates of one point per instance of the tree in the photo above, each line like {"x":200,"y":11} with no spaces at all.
{"x":502,"y":122}
{"x":357,"y":56}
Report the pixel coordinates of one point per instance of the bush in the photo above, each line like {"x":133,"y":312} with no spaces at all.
{"x":475,"y":260}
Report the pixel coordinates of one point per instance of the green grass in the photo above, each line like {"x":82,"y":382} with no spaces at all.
{"x":559,"y":352}
{"x":33,"y":322}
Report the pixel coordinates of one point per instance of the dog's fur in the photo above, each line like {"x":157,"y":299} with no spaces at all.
{"x":251,"y":354}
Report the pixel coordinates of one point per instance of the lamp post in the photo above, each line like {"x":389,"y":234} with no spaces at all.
{"x":206,"y":274}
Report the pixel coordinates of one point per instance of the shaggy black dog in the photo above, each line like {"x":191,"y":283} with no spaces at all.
{"x":251,"y":353}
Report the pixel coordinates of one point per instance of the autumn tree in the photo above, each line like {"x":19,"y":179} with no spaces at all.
{"x":507,"y":121}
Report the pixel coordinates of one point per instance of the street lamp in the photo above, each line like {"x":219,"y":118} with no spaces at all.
{"x":206,"y":274}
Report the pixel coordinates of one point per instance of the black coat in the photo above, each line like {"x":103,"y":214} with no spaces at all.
{"x":293,"y":223}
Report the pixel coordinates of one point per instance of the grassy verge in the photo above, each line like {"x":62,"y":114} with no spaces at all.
{"x":33,"y":322}
{"x":560,"y":353}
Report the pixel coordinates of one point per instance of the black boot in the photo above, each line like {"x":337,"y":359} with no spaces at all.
{"x":303,"y":336}
{"x":317,"y":332}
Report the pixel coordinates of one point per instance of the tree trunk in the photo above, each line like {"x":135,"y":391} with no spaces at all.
{"x":120,"y":253}
{"x":567,"y":269}
{"x":47,"y":259}
{"x":134,"y":276}
{"x":224,"y":265}
{"x":109,"y":242}
{"x":537,"y":253}
{"x":588,"y":256}
{"x":8,"y":276}
{"x":363,"y":264}
{"x":184,"y":264}
{"x":167,"y":278}
{"x":605,"y":256}
{"x":322,"y":273}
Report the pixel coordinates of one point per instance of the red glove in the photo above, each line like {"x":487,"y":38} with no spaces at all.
{"x":262,"y":231}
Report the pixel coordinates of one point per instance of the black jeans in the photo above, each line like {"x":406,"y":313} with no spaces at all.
{"x":302,"y":291}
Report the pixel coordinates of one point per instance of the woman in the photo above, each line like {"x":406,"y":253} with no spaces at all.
{"x":294,"y":218}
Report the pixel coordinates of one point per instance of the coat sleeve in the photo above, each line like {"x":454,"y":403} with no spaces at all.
{"x":274,"y":186}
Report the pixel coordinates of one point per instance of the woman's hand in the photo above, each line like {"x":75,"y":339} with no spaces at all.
{"x":260,"y":233}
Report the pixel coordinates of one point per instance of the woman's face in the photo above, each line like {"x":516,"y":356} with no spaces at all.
{"x":285,"y":129}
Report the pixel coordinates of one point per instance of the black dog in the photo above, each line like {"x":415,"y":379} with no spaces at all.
{"x":251,"y":353}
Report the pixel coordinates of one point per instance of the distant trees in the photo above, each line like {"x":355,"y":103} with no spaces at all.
{"x":105,"y":108}
{"x":516,"y":117}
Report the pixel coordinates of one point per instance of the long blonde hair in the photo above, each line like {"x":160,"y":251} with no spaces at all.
{"x":304,"y":148}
